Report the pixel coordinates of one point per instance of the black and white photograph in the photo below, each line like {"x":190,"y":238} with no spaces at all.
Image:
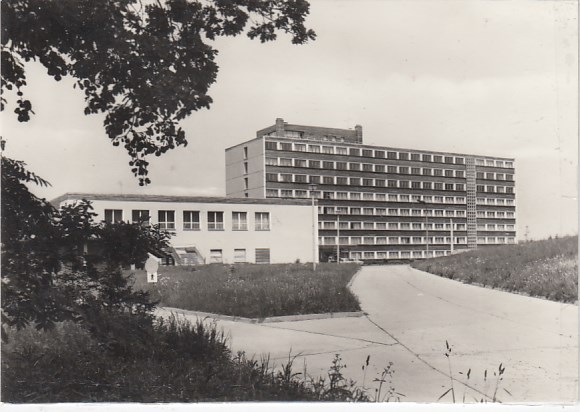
{"x":223,"y":202}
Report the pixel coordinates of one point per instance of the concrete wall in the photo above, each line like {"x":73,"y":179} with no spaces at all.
{"x":246,"y":161}
{"x":289,"y":239}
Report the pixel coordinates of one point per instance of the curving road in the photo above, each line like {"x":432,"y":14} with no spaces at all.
{"x":410,"y":316}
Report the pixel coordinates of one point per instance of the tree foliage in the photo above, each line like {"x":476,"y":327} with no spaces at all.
{"x":145,"y":64}
{"x":48,"y":272}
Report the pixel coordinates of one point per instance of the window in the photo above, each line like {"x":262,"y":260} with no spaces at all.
{"x":300,"y":178}
{"x":342,"y":195}
{"x":438,"y":159}
{"x":393,"y":212}
{"x":286,"y":178}
{"x":216,"y":256}
{"x":460,"y":187}
{"x":448,"y":159}
{"x":328,"y":149}
{"x":286,"y":146}
{"x":240,"y":256}
{"x":459,"y":160}
{"x":263,"y":256}
{"x":271,"y":161}
{"x":381,"y":197}
{"x":381,"y":211}
{"x":245,"y":183}
{"x":381,"y":240}
{"x":113,"y":215}
{"x":438,"y":186}
{"x":215,"y":220}
{"x":341,"y":165}
{"x":355,"y":240}
{"x":354,"y":152}
{"x":509,"y":177}
{"x":342,"y":181}
{"x":368,"y":196}
{"x":404,"y":198}
{"x":355,"y":210}
{"x":271,"y":177}
{"x":285,"y":162}
{"x":380,"y":182}
{"x":427,"y":185}
{"x":341,"y":151}
{"x":438,"y":172}
{"x":341,"y":210}
{"x":415,"y":170}
{"x":404,"y":183}
{"x":380,"y":168}
{"x":391,"y":155}
{"x":271,"y":146}
{"x":354,"y":166}
{"x":459,"y":173}
{"x":166,"y":219}
{"x":355,"y":225}
{"x":239,"y":221}
{"x":367,"y":167}
{"x":286,"y":193}
{"x":299,"y":162}
{"x":191,"y":220}
{"x":405,"y":226}
{"x":328,"y":180}
{"x":393,"y":226}
{"x":448,"y":173}
{"x":368,"y":211}
{"x":380,"y":154}
{"x":367,"y":182}
{"x":392,"y":169}
{"x":355,"y":181}
{"x":327,"y":165}
{"x":315,"y":179}
{"x":272,"y":193}
{"x":404,"y":156}
{"x":369,"y":240}
{"x":426,"y":158}
{"x":328,"y":195}
{"x":314,"y":149}
{"x":300,"y":147}
{"x":415,"y":157}
{"x":315,"y":164}
{"x":416,"y":185}
{"x":262,"y":221}
{"x":404,"y":170}
{"x":355,"y":196}
{"x":367,"y":153}
{"x":140,"y":217}
{"x":509,"y":190}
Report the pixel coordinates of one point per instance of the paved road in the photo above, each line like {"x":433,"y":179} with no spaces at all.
{"x":411,"y":315}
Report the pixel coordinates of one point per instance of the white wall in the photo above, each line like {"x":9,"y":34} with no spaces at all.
{"x":235,"y":172}
{"x":290,"y":237}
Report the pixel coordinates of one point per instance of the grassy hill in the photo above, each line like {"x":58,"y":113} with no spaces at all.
{"x":544,"y":268}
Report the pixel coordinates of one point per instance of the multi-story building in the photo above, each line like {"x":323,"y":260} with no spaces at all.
{"x":377,"y":203}
{"x":216,"y":230}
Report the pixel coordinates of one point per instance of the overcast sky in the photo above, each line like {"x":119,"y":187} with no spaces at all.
{"x":490,"y":78}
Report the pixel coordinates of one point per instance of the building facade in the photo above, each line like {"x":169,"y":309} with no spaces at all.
{"x":379,"y":203}
{"x":217,"y":230}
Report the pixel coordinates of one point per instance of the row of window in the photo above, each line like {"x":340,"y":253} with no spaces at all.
{"x":396,"y":254}
{"x":332,"y":225}
{"x":383,"y":197}
{"x":371,"y":182}
{"x":393,"y":211}
{"x":381,"y":154}
{"x":365,"y":167}
{"x":495,"y":201}
{"x":495,"y":227}
{"x":382,"y":211}
{"x":192,"y":219}
{"x":408,"y":240}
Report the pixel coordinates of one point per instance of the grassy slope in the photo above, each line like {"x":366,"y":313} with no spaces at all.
{"x":546,"y":268}
{"x":177,"y":362}
{"x":255,"y":291}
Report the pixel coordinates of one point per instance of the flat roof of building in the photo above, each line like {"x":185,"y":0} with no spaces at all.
{"x":177,"y":199}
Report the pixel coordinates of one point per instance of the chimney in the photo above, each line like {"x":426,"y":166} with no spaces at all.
{"x":358,"y":133}
{"x":280,"y":127}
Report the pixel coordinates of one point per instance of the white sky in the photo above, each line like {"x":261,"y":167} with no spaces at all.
{"x":483,"y":77}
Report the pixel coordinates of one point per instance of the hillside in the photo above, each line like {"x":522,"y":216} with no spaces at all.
{"x":545,"y":268}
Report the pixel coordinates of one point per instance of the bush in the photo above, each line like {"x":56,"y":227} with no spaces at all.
{"x":173,"y":361}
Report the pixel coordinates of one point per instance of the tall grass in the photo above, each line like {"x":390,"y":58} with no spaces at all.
{"x":178,"y":362}
{"x":545,"y":268}
{"x":254,"y":291}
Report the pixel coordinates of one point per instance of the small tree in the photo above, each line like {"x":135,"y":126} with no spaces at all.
{"x":47,"y":274}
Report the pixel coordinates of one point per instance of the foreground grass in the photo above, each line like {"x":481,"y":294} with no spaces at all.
{"x":545,"y":268}
{"x":254,"y":291}
{"x":169,"y":362}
